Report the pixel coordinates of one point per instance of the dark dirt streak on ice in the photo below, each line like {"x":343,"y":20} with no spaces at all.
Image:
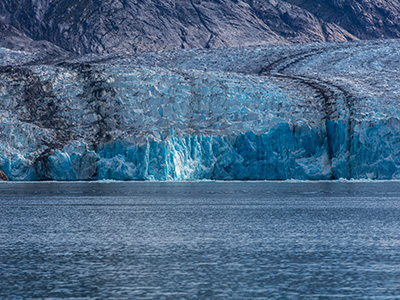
{"x":325,"y":91}
{"x":40,"y":106}
{"x":98,"y":95}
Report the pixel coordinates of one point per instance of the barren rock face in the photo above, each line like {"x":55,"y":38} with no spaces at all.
{"x":296,"y":24}
{"x":364,"y":18}
{"x":13,"y":39}
{"x":130,"y":25}
{"x":84,"y":26}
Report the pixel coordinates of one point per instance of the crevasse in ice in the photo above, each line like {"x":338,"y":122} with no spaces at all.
{"x":304,"y":112}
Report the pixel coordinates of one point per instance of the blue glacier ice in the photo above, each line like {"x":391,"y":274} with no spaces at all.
{"x":316,"y":111}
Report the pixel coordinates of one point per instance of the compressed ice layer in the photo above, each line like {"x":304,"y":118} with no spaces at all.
{"x":202,"y":115}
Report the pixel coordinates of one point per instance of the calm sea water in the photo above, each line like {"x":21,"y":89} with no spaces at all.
{"x":207,"y":240}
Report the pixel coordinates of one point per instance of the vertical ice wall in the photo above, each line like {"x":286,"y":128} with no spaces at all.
{"x":190,"y":115}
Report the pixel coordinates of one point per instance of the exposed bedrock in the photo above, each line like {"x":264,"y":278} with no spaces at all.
{"x":83,"y":26}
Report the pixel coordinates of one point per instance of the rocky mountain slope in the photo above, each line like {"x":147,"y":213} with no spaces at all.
{"x":363,"y":18}
{"x":87,"y":26}
{"x":13,"y":39}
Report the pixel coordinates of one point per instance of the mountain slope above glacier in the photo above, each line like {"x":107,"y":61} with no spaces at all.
{"x":83,"y":26}
{"x":364,"y":19}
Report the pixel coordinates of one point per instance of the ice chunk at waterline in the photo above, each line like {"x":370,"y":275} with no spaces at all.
{"x":126,"y":118}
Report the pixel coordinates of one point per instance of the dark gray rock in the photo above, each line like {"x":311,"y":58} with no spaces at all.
{"x":88,"y":26}
{"x":84,"y":26}
{"x":296,"y":24}
{"x":363,"y":18}
{"x":13,"y":39}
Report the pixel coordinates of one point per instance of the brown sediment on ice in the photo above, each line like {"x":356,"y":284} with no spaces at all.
{"x":3,"y":177}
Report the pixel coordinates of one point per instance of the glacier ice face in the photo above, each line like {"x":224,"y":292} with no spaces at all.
{"x":303,"y":112}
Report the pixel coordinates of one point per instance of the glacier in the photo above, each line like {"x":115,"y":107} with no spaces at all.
{"x":308,"y":112}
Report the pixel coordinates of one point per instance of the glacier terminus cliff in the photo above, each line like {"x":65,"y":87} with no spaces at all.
{"x":311,"y":111}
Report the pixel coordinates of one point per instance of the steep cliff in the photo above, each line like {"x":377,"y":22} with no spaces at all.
{"x":315,"y":111}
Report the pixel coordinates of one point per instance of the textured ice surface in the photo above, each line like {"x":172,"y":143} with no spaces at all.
{"x":317,"y":111}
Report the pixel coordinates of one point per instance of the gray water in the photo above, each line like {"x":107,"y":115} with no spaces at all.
{"x":207,"y":240}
